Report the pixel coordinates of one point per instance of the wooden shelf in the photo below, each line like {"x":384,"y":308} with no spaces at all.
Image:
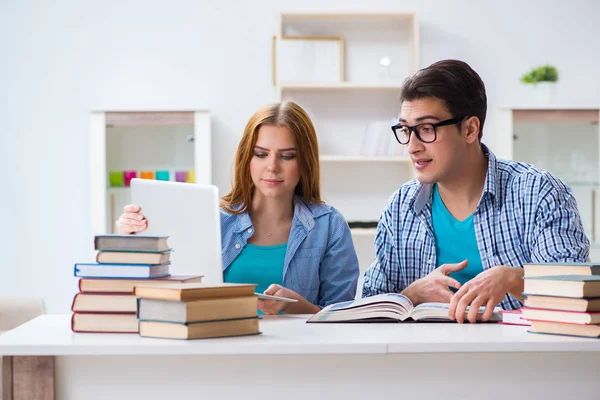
{"x":545,"y":115}
{"x":551,"y":107}
{"x":287,"y":16}
{"x":336,"y":158}
{"x":339,"y":86}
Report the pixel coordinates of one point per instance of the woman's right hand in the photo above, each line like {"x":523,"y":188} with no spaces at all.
{"x":131,"y":221}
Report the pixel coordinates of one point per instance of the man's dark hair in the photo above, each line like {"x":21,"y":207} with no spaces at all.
{"x":454,"y":82}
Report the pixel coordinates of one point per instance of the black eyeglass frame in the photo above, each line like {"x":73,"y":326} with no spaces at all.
{"x":413,"y":128}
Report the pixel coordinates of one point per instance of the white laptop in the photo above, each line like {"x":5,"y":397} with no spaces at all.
{"x":189,"y":215}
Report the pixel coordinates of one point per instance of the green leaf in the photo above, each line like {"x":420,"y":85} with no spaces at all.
{"x":544,"y":73}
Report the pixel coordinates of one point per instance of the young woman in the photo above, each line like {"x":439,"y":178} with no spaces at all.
{"x":275,"y":229}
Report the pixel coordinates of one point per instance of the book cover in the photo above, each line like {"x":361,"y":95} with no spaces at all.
{"x":194,"y":291}
{"x":131,"y":257}
{"x":550,"y":269}
{"x":566,"y":329}
{"x":572,"y":317}
{"x":104,"y":323}
{"x":200,"y":330}
{"x":95,"y":270}
{"x":563,"y":303}
{"x":197,"y":310}
{"x":104,"y":303}
{"x":125,"y":286}
{"x":577,"y":286}
{"x":131,"y":243}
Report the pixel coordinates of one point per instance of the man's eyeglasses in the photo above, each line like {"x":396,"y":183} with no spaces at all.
{"x":426,"y":132}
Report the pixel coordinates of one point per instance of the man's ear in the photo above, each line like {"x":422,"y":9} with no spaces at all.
{"x":471,"y":129}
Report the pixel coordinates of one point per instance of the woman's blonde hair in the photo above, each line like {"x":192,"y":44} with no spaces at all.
{"x":293,"y":117}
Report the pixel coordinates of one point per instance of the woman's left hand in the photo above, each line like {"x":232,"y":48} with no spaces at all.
{"x":272,"y":307}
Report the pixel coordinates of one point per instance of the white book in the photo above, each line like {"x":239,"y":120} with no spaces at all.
{"x":94,"y":270}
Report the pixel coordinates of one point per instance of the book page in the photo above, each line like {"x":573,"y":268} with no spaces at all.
{"x":439,"y":312}
{"x":431,"y":311}
{"x":395,"y":298}
{"x":389,"y":306}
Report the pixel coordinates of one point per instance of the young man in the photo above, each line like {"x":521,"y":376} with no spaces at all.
{"x":461,"y":232}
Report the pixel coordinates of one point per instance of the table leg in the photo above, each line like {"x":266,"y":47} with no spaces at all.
{"x":6,"y":382}
{"x":28,"y":378}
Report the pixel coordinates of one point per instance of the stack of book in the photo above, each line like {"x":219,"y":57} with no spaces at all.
{"x":563,"y":299}
{"x":105,"y":302}
{"x":196,"y":310}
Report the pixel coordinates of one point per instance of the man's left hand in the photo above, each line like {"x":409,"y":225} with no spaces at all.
{"x":486,"y":289}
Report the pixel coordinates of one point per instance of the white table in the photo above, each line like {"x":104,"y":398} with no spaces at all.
{"x":295,"y":360}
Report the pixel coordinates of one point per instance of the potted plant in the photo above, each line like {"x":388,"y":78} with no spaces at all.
{"x":543,"y":79}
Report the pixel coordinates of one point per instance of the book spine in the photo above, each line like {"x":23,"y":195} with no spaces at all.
{"x":74,"y":301}
{"x":111,"y":292}
{"x":106,"y":312}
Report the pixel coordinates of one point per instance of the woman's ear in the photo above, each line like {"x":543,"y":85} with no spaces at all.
{"x":471,"y":129}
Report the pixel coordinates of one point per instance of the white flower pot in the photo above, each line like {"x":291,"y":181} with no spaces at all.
{"x":543,"y":93}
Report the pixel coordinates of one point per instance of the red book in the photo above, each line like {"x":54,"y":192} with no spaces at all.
{"x":104,"y":323}
{"x":104,"y":303}
{"x":125,"y":286}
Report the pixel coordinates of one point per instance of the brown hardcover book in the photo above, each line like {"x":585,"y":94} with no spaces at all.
{"x":560,"y":328}
{"x":131,"y":257}
{"x":200,"y":330}
{"x":197,"y":310}
{"x":571,"y":317}
{"x":551,"y":269}
{"x":563,"y":303}
{"x":131,"y":243}
{"x":110,"y":285}
{"x":577,"y":286}
{"x":104,"y":303}
{"x":104,"y":323}
{"x":193,"y":291}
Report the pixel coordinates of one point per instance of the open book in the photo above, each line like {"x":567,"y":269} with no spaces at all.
{"x":389,"y":307}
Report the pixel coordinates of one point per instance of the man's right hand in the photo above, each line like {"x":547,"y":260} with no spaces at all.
{"x":435,"y":287}
{"x":131,"y":221}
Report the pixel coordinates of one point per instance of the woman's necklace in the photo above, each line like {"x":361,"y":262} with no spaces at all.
{"x":276,"y":228}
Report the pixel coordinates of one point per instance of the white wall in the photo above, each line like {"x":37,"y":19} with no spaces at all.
{"x":60,"y":59}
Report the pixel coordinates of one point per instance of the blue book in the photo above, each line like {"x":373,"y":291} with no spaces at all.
{"x":95,"y":270}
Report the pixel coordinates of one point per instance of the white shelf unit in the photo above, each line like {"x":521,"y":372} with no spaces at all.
{"x":565,"y":140}
{"x":361,"y":162}
{"x":143,"y":141}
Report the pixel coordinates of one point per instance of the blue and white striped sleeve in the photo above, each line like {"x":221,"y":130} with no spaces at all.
{"x":559,"y":232}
